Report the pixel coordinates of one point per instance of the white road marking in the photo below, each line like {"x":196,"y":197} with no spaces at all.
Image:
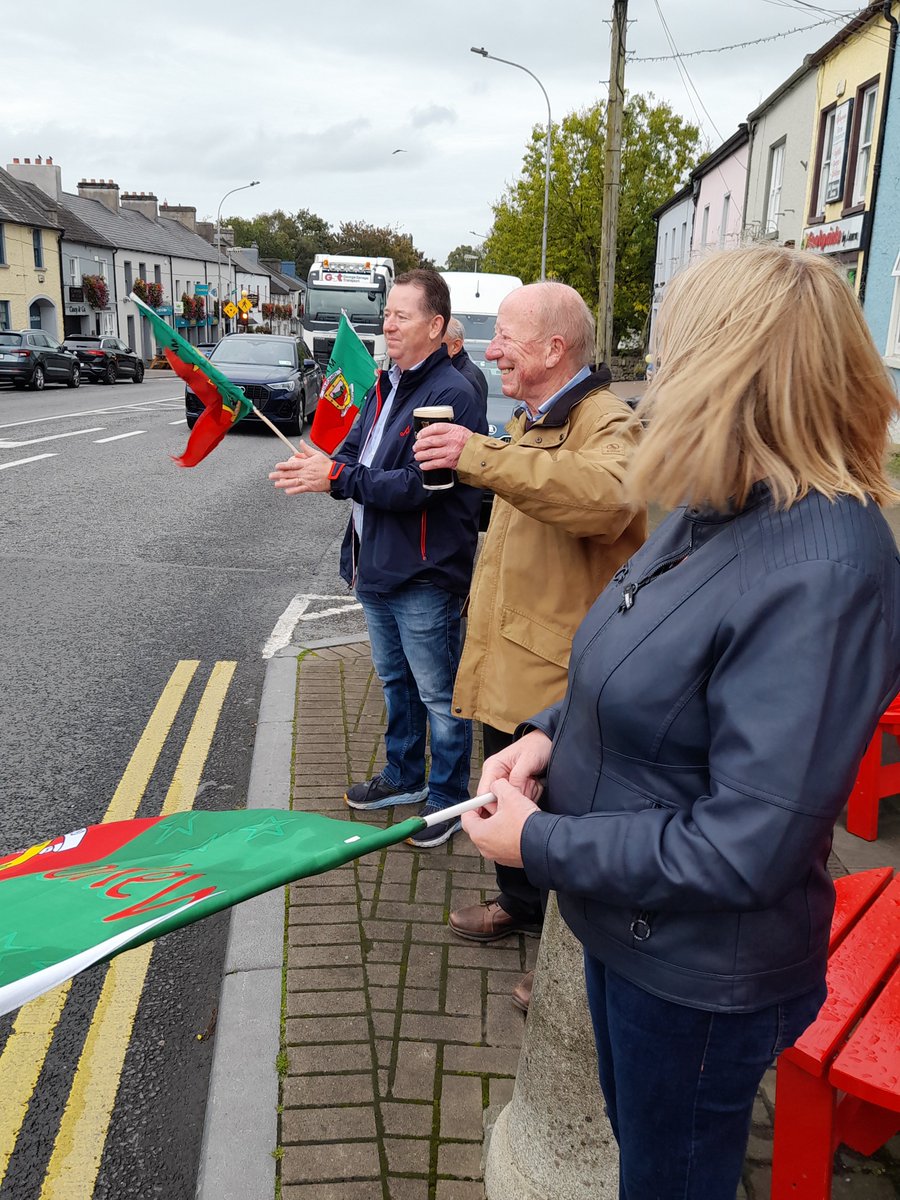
{"x":21,"y":461}
{"x":183,"y":421}
{"x":50,"y":438}
{"x":296,"y":612}
{"x":118,"y":437}
{"x":94,"y":412}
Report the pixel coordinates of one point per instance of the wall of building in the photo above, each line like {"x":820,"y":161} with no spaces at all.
{"x":23,"y":284}
{"x":727,"y":178}
{"x":789,"y":120}
{"x":673,"y":251}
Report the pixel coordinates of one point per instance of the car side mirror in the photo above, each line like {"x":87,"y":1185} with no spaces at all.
{"x":128,"y":350}
{"x":310,"y":362}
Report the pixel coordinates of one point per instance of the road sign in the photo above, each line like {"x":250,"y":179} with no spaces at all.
{"x":245,"y":305}
{"x":230,"y":309}
{"x":201,"y":289}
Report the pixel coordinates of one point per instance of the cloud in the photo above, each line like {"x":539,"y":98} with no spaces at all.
{"x":435,"y":114}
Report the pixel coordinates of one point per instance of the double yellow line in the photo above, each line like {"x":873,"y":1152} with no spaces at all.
{"x":78,"y":1149}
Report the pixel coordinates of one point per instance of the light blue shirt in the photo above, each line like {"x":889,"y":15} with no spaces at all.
{"x":376,"y":434}
{"x":548,"y":404}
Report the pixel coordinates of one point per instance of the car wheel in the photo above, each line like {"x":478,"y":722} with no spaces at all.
{"x":138,"y":373}
{"x":74,"y":379}
{"x":110,"y":376}
{"x":37,"y":379}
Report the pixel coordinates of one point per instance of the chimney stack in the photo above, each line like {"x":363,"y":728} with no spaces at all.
{"x":143,"y":202}
{"x":42,"y":174}
{"x":185,"y":214}
{"x":103,"y":190}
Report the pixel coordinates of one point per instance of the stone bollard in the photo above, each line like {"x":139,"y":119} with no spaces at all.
{"x":553,"y":1140}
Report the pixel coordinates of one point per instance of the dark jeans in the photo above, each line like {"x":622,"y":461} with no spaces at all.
{"x":679,"y":1083}
{"x":517,"y":896}
{"x":414,"y":634}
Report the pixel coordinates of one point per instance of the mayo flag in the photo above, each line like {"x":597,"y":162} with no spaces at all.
{"x":224,"y":403}
{"x":77,"y":900}
{"x":351,"y":372}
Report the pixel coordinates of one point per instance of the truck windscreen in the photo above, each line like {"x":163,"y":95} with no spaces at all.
{"x":323,"y":303}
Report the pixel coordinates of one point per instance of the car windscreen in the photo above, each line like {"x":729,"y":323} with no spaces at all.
{"x":358,"y":304}
{"x":74,"y":341}
{"x":479,"y":327}
{"x":10,"y":339}
{"x":253,"y":352}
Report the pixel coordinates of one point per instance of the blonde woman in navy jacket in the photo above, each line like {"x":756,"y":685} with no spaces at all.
{"x":721,"y":694}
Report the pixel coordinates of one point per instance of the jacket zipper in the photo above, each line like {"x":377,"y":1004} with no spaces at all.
{"x":631,"y":590}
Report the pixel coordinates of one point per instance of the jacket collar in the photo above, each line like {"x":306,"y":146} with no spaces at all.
{"x":559,"y":413}
{"x":759,"y":493}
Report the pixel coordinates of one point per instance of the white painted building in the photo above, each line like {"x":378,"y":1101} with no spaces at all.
{"x":674,"y":227}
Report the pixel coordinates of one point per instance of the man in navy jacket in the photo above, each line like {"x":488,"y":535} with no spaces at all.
{"x":408,"y":552}
{"x":454,"y":340}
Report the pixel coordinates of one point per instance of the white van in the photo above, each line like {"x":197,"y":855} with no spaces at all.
{"x":474,"y":300}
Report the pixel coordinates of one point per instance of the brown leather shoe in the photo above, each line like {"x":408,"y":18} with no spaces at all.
{"x":488,"y":922}
{"x":521,"y":993}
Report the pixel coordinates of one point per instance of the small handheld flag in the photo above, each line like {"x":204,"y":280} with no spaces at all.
{"x":224,"y":403}
{"x":351,"y":372}
{"x":76,"y":900}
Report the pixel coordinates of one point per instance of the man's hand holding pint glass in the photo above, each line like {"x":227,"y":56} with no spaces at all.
{"x":439,"y":443}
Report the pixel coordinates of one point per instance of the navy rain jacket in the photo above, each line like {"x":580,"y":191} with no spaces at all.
{"x":408,"y":532}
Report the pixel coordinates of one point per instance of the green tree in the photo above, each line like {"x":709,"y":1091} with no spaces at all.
{"x":290,"y":238}
{"x":658,"y":148}
{"x":460,"y":258}
{"x":378,"y":241}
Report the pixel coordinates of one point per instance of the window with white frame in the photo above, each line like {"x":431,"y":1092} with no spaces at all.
{"x":864,"y":147}
{"x":683,"y":245}
{"x":38,"y":246}
{"x":704,"y":227}
{"x":723,"y":224}
{"x":825,"y":167}
{"x":665,"y":257}
{"x":892,"y":349}
{"x":776,"y":179}
{"x":73,"y":272}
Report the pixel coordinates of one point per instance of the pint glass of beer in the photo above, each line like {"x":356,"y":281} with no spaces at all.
{"x":439,"y":478}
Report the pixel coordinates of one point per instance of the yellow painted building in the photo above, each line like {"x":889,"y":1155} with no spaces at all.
{"x":846,"y":136}
{"x":30,"y":284}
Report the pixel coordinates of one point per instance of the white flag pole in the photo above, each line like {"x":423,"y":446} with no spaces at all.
{"x":456,"y":810}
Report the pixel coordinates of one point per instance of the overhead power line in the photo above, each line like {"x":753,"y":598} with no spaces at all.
{"x":772,"y":37}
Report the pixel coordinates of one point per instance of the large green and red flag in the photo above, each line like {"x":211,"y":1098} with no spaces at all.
{"x":351,"y":372}
{"x":80,"y":899}
{"x":224,"y":403}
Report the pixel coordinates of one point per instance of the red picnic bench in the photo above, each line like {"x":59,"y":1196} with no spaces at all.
{"x":840,"y":1082}
{"x":874,"y":780}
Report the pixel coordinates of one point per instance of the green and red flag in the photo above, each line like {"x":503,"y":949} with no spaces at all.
{"x":80,"y":899}
{"x":351,"y":372}
{"x":224,"y":403}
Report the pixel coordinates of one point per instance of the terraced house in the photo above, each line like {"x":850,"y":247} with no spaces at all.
{"x":30,"y":284}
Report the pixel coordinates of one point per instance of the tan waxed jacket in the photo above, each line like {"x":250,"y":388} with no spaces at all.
{"x":559,"y":529}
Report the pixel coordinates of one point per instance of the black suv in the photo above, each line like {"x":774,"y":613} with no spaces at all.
{"x":106,"y":358}
{"x":32,"y":358}
{"x":278,"y":374}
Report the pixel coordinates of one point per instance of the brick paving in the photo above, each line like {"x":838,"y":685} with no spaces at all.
{"x":397,"y":1035}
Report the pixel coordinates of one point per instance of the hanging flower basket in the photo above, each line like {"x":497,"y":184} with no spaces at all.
{"x":154,"y":295}
{"x":95,"y":290}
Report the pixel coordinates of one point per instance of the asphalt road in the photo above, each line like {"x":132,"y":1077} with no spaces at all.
{"x":116,"y":565}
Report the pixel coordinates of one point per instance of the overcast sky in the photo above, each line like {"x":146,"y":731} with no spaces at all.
{"x":312,"y":99}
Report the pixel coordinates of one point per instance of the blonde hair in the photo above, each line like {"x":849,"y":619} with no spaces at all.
{"x":767,"y":370}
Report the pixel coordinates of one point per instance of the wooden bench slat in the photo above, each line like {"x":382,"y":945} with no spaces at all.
{"x":861,"y":961}
{"x":869,"y":1065}
{"x":852,"y":896}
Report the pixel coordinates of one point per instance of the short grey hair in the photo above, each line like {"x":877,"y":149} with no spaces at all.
{"x":560,"y":310}
{"x":455,"y":331}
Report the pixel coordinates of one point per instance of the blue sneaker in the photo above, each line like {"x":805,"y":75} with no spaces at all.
{"x":434,"y":835}
{"x":376,"y":793}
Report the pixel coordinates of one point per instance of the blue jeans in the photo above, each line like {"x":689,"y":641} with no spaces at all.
{"x":679,"y":1083}
{"x":415,"y":636}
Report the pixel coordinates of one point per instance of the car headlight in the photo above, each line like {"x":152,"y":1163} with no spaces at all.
{"x":289,"y":385}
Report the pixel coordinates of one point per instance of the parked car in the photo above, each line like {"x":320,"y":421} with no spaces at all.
{"x":206,"y":347}
{"x":106,"y":359}
{"x":279,"y":374}
{"x":33,"y":358}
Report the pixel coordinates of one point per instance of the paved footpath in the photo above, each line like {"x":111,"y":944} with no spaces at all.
{"x":397,"y":1035}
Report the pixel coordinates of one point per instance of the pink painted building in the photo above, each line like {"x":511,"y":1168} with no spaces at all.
{"x":720,"y":184}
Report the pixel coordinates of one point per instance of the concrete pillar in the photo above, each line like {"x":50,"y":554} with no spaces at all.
{"x":553,"y":1140}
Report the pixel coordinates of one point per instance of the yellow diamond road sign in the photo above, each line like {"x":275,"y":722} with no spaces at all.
{"x":245,"y":305}
{"x":229,"y":309}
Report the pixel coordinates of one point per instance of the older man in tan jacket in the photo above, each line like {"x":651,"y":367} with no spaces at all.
{"x":560,"y":528}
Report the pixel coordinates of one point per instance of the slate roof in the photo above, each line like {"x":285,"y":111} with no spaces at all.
{"x":131,"y":230}
{"x":286,"y":283}
{"x":73,"y":229}
{"x":17,"y":205}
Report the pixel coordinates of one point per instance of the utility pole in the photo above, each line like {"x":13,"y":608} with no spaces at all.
{"x":611,"y":175}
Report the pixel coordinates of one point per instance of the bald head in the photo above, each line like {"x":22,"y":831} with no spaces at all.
{"x":544,"y":336}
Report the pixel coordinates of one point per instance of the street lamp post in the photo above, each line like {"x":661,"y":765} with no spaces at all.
{"x":484,"y":54}
{"x":242,"y":188}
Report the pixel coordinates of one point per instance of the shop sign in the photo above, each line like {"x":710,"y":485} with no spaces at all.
{"x":77,"y":310}
{"x":834,"y":237}
{"x":834,"y":186}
